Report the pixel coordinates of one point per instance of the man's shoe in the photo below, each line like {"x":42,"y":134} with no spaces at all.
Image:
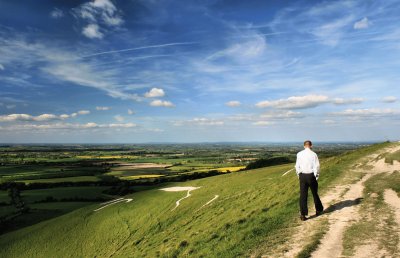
{"x":303,"y":218}
{"x":318,"y":213}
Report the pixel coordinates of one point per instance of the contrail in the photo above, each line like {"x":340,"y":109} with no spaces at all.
{"x":139,"y":48}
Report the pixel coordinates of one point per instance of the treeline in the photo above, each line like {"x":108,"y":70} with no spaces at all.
{"x":272,"y":161}
{"x":113,"y":181}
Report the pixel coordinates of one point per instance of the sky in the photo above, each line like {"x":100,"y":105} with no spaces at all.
{"x":137,"y":71}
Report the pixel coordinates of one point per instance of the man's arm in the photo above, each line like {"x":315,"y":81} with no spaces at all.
{"x":316,"y":167}
{"x":297,"y":166}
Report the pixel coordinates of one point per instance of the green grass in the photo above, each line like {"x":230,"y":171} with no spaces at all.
{"x":393,"y":156}
{"x":254,"y":209}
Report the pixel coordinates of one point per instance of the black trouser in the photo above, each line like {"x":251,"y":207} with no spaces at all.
{"x":306,"y":181}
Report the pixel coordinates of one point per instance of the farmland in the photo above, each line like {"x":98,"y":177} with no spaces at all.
{"x":38,"y":183}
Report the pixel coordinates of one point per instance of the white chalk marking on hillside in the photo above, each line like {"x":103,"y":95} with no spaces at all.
{"x":180,"y":189}
{"x":113,"y":202}
{"x":210,"y":201}
{"x":284,"y":174}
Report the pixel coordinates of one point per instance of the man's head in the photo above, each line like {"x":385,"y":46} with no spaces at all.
{"x":308,"y":144}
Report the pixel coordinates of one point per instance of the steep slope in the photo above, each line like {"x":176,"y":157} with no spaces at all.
{"x":226,"y":216}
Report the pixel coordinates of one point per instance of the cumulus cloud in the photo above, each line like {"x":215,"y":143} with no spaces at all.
{"x":83,"y":112}
{"x":131,"y":112}
{"x":233,"y":103}
{"x":368,"y":112}
{"x":92,"y":31}
{"x":277,"y":115}
{"x":361,"y":24}
{"x":389,"y":99}
{"x":102,"y":108}
{"x":119,"y":118}
{"x":67,"y":126}
{"x":161,"y":103}
{"x":42,"y":117}
{"x":56,"y":13}
{"x":296,"y":102}
{"x":341,"y":101}
{"x":155,"y":93}
{"x":26,"y":117}
{"x":98,"y":12}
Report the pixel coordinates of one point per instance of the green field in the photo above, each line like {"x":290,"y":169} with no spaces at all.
{"x":254,"y":208}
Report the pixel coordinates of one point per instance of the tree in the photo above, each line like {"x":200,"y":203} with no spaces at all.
{"x":15,"y":195}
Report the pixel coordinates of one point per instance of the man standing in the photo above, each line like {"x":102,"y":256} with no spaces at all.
{"x":307,"y":169}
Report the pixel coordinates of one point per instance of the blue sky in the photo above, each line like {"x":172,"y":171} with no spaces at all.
{"x":194,"y":71}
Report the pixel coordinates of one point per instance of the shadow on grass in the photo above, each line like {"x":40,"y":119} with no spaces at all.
{"x":340,"y":205}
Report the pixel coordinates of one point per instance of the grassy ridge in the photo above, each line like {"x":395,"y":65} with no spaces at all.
{"x":252,"y":210}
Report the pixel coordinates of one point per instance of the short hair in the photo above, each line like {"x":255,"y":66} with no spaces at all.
{"x":308,"y":142}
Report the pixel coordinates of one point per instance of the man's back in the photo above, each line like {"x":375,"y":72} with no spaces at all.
{"x":307,"y":162}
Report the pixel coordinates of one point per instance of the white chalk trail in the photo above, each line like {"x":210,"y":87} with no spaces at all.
{"x":113,"y":202}
{"x":180,"y":189}
{"x":178,"y":202}
{"x":210,"y":201}
{"x":284,"y":174}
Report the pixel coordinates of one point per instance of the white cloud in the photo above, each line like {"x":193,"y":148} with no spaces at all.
{"x":131,"y":112}
{"x":26,"y":117}
{"x":11,"y":106}
{"x":92,"y":31}
{"x":361,"y":24}
{"x":341,"y":101}
{"x":1,"y":67}
{"x":296,"y":102}
{"x":199,"y":121}
{"x":331,"y":33}
{"x":251,"y":47}
{"x":42,"y":117}
{"x":389,"y":99}
{"x":161,"y":103}
{"x":276,"y":115}
{"x":102,"y":108}
{"x":263,"y":123}
{"x":233,"y":103}
{"x":119,"y":118}
{"x":83,"y":112}
{"x":368,"y":112}
{"x":127,"y":125}
{"x":98,"y":12}
{"x":328,"y":122}
{"x":56,"y":13}
{"x":155,"y":93}
{"x":67,"y":126}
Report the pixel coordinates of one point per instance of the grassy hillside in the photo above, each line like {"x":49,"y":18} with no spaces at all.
{"x":253,"y":207}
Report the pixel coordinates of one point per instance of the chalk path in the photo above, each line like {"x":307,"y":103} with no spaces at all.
{"x":106,"y":204}
{"x":180,"y":189}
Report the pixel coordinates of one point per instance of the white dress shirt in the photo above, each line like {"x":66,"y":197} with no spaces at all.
{"x":307,"y":162}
